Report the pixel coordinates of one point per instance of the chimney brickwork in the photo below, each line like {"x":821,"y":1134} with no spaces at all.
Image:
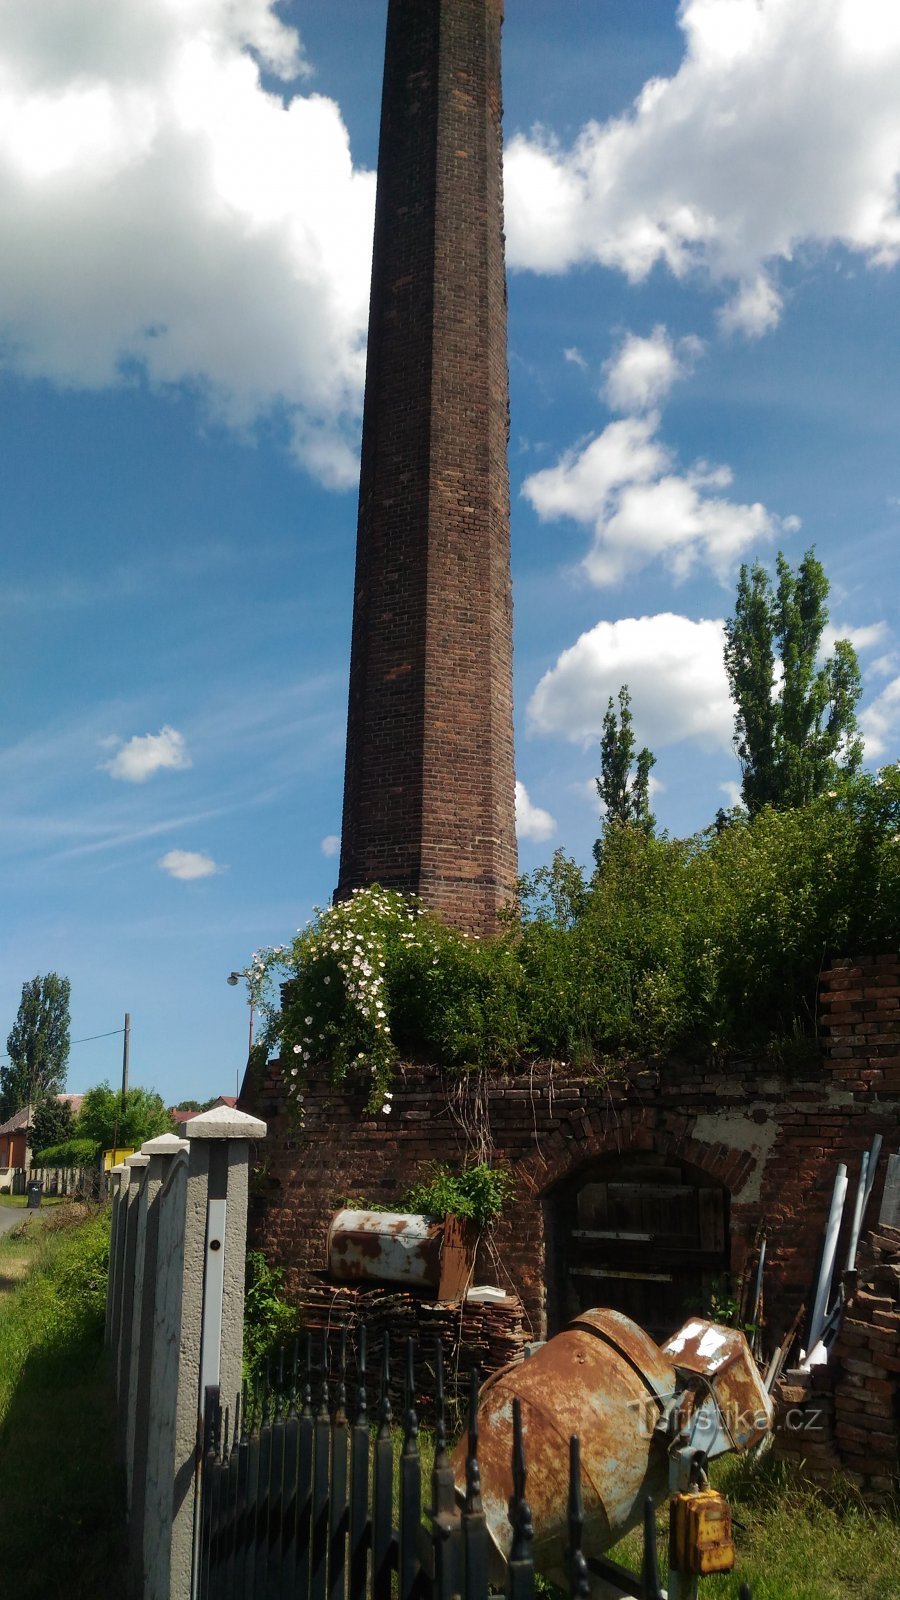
{"x":429,"y":792}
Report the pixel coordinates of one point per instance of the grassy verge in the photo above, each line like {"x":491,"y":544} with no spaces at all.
{"x":61,"y":1500}
{"x":20,"y":1201}
{"x":794,"y":1543}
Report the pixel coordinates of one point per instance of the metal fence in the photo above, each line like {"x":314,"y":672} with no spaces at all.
{"x":300,"y":1500}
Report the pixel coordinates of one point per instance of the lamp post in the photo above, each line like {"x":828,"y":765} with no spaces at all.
{"x":234,"y":979}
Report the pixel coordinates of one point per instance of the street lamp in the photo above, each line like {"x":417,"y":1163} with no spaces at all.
{"x":234,"y":979}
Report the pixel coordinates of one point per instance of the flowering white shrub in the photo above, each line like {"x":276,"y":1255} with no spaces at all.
{"x":336,"y":1007}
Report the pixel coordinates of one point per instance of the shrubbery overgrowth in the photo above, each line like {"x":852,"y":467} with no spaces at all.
{"x":711,"y":944}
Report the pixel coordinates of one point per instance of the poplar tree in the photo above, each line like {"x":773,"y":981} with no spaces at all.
{"x":625,"y":793}
{"x":38,"y":1045}
{"x":795,"y":728}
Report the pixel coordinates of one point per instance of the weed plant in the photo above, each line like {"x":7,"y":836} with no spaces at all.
{"x":61,"y":1498}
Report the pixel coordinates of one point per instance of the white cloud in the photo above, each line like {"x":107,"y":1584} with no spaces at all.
{"x":733,"y":792}
{"x":161,"y":211}
{"x":574,"y":355}
{"x":880,"y":722}
{"x":531,"y":821}
{"x":861,"y":638}
{"x":672,"y":666}
{"x":331,"y":844}
{"x":148,"y":753}
{"x":780,"y":128}
{"x":189,"y":864}
{"x":624,"y":484}
{"x":643,"y":370}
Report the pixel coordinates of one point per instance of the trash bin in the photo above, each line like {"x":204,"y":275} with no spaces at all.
{"x":34,"y":1196}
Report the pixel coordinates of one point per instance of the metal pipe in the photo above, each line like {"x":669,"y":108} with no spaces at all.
{"x":829,"y":1250}
{"x":861,"y":1190}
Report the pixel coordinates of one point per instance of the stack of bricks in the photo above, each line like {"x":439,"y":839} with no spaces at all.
{"x":867,"y":1372}
{"x":861,"y":1016}
{"x":845,"y":1416}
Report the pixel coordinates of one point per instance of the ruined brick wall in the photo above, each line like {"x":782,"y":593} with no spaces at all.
{"x":773,"y":1140}
{"x":429,"y":788}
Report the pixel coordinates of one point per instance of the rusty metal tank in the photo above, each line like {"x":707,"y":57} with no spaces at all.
{"x":604,"y":1379}
{"x":629,"y":1402}
{"x":385,"y":1247}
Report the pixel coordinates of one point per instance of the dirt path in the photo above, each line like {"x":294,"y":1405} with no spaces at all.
{"x":10,"y":1216}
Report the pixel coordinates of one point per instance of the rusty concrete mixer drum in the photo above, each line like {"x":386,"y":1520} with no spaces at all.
{"x":641,"y":1412}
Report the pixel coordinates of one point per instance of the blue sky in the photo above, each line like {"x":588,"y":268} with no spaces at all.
{"x":703,"y":239}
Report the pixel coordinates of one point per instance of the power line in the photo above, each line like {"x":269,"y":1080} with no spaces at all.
{"x":88,"y":1039}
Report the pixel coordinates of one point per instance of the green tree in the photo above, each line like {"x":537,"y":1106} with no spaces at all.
{"x":625,"y":793}
{"x":38,"y":1045}
{"x":52,"y":1123}
{"x":103,"y":1119}
{"x":795,"y":730}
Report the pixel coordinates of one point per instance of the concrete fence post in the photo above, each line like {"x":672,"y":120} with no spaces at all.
{"x":137,"y":1171}
{"x":197,"y":1331}
{"x":114,"y":1281}
{"x":160,"y":1153}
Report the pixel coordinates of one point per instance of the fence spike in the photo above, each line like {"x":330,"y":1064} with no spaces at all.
{"x":385,"y":1413}
{"x":440,"y":1427}
{"x":361,"y":1401}
{"x":226,"y":1448}
{"x":244,"y":1412}
{"x":579,"y":1577}
{"x":650,"y":1589}
{"x":307,"y":1378}
{"x":341,"y":1402}
{"x":410,"y":1421}
{"x":295,"y":1360}
{"x":473,"y":1472}
{"x":267,"y":1392}
{"x":519,"y":1509}
{"x":322,"y":1414}
{"x":744,"y":1593}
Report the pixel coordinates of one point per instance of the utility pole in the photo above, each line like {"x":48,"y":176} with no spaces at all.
{"x":126,"y":1051}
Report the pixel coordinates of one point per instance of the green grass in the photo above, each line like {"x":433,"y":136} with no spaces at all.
{"x":20,"y":1201}
{"x":794,"y":1543}
{"x":61,"y":1496}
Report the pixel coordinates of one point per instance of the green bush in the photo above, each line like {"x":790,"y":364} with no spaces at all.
{"x":74,"y":1153}
{"x":709,"y":944}
{"x":478,"y":1192}
{"x":268,"y":1320}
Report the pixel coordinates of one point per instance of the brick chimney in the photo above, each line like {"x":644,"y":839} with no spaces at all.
{"x":429,"y":789}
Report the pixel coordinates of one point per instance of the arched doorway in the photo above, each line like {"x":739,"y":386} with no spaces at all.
{"x":642,"y":1233}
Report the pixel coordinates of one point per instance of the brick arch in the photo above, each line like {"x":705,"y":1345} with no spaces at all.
{"x":560,"y":1157}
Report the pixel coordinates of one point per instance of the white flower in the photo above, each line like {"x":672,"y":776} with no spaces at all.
{"x":307,"y":1020}
{"x":297,"y":1049}
{"x":326,"y":980}
{"x":386,"y":1108}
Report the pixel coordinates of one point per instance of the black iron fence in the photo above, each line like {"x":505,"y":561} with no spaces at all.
{"x":307,"y":1496}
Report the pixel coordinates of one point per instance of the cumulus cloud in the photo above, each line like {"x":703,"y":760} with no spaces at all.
{"x":880,"y":722}
{"x":189,"y":864}
{"x":331,"y":844}
{"x":164,"y":213}
{"x":625,"y":484}
{"x":139,"y":758}
{"x":532,"y":822}
{"x":674,"y":670}
{"x":780,"y":128}
{"x":861,"y":638}
{"x":643,"y":370}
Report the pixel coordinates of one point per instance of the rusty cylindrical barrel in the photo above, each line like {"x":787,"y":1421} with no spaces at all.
{"x":385,"y":1247}
{"x":604,"y":1379}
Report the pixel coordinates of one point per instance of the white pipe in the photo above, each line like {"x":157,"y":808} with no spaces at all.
{"x":861,"y":1191}
{"x":839,"y":1195}
{"x":873,"y":1162}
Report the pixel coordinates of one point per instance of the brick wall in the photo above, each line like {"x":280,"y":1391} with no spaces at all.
{"x":773,"y":1140}
{"x":429,"y":783}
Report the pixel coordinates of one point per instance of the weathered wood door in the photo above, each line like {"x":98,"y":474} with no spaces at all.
{"x":644,"y":1235}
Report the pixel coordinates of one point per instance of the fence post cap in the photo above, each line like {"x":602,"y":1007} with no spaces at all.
{"x":136,"y":1161}
{"x":165,"y":1144}
{"x":120,"y":1168}
{"x":223,"y":1122}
